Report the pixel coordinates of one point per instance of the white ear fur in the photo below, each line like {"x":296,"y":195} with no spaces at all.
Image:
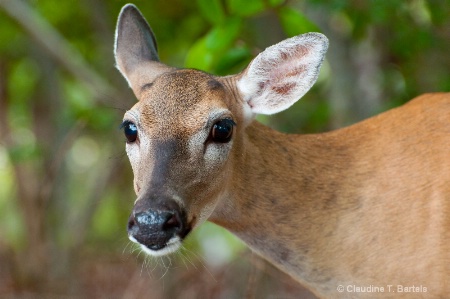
{"x":282,"y":73}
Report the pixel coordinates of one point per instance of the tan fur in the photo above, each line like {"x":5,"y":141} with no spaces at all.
{"x":364,"y":205}
{"x":367,"y":206}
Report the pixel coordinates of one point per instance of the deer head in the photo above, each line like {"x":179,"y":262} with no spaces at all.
{"x":187,"y":133}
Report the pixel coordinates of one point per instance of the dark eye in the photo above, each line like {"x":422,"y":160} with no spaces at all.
{"x":130,"y":131}
{"x":222,"y":130}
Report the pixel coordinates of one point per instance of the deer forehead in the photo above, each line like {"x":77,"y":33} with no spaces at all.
{"x":181,"y":102}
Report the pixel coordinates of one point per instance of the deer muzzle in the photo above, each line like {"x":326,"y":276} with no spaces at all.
{"x":160,"y":228}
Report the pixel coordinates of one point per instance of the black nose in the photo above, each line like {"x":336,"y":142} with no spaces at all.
{"x":154,"y":228}
{"x":154,"y":222}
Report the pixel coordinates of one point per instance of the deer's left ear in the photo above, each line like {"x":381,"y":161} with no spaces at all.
{"x":282,"y":73}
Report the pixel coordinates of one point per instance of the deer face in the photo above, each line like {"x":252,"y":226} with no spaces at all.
{"x":179,"y":138}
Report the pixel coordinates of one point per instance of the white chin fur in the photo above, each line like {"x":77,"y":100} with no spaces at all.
{"x":172,"y":246}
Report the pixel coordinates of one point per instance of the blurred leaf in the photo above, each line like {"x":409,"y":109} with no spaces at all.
{"x":199,"y":57}
{"x":222,"y":36}
{"x":23,"y":80}
{"x":11,"y":222}
{"x":295,"y":23}
{"x":211,"y":10}
{"x":230,"y":62}
{"x":218,"y":246}
{"x":10,"y":34}
{"x":25,"y":147}
{"x":275,"y":3}
{"x":56,"y":11}
{"x":439,"y":12}
{"x":23,"y":153}
{"x":209,"y":49}
{"x":81,"y":107}
{"x":245,"y":7}
{"x":103,"y":226}
{"x":21,"y":84}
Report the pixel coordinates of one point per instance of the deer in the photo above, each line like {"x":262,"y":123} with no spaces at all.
{"x":358,"y":212}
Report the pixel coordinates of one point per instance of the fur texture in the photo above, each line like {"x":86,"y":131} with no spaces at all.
{"x":366,"y":205}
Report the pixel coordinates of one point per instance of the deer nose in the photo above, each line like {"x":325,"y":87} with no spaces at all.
{"x":154,"y":228}
{"x":154,"y":222}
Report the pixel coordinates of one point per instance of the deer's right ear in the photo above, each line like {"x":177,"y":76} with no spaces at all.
{"x":135,"y":49}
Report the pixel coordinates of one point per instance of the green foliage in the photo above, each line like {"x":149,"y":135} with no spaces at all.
{"x":12,"y":228}
{"x":245,"y":8}
{"x":207,"y":52}
{"x":221,"y":50}
{"x":59,"y":140}
{"x":294,"y":22}
{"x":109,"y":220}
{"x":212,"y":10}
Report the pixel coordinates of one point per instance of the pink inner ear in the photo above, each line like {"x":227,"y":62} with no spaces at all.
{"x":296,"y":71}
{"x":283,"y":76}
{"x":285,"y":64}
{"x":283,"y":73}
{"x":284,"y":89}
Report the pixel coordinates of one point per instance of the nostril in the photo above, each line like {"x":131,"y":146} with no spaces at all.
{"x":154,"y":227}
{"x":172,"y":222}
{"x":131,"y":223}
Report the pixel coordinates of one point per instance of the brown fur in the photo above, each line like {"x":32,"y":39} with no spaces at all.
{"x":366,"y":205}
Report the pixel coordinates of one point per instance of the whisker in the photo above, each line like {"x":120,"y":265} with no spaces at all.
{"x":202,"y":262}
{"x":126,"y":247}
{"x":142,"y":264}
{"x":165,"y":268}
{"x":188,"y":258}
{"x":182,"y":257}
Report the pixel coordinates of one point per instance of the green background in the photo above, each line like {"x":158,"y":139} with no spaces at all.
{"x":65,"y":181}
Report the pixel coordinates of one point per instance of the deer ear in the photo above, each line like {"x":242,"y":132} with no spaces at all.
{"x":135,"y":48}
{"x":282,"y":73}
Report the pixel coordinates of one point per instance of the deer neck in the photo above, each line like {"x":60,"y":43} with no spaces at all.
{"x":285,"y":198}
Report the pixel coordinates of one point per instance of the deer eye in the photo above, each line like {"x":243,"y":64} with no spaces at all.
{"x":130,"y":130}
{"x":222,"y":130}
